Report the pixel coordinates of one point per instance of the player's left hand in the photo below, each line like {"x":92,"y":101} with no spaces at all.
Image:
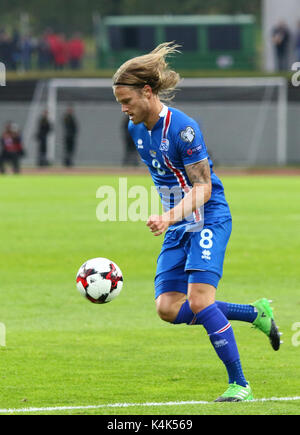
{"x":158,"y":224}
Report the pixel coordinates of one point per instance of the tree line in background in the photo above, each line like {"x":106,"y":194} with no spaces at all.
{"x":77,"y":15}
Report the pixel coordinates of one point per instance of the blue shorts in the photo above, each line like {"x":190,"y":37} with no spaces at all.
{"x":195,"y":257}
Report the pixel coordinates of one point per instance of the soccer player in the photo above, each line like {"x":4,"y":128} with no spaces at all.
{"x":190,"y":264}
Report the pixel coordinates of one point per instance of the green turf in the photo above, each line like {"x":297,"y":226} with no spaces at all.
{"x":64,"y":351}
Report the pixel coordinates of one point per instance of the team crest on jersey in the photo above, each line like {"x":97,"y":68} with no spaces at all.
{"x":188,"y":135}
{"x":164,"y":146}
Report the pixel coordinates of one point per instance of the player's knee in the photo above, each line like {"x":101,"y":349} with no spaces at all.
{"x":166,"y":312}
{"x":199,"y":302}
{"x":200,"y":297}
{"x":197,"y":305}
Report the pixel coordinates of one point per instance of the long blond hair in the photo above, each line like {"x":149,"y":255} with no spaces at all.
{"x":151,"y":69}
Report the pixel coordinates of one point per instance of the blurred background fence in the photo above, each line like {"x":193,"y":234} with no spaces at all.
{"x":239,"y":53}
{"x":245,"y":121}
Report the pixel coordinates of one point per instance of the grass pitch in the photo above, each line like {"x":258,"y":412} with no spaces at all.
{"x":62,"y":351}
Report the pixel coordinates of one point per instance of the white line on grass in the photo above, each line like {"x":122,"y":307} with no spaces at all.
{"x":128,"y":405}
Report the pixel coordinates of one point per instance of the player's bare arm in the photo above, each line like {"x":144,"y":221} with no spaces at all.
{"x":199,"y":173}
{"x":199,"y":176}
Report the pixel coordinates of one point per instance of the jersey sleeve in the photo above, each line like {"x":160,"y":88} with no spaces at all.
{"x":190,"y":143}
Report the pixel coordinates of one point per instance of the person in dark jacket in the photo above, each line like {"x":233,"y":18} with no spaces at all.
{"x":11,"y":148}
{"x":70,"y":126}
{"x":44,"y":128}
{"x":130,"y":152}
{"x":297,"y":42}
{"x":281,"y":40}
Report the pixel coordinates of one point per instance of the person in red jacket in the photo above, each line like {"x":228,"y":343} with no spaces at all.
{"x":60,"y":52}
{"x":50,"y":39}
{"x":76,"y":51}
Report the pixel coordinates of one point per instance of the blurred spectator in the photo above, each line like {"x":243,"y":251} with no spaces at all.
{"x":6,"y":53}
{"x":297,"y":42}
{"x":76,"y":51}
{"x":1,"y":44}
{"x":10,"y":49}
{"x":44,"y":55}
{"x":26,"y":47}
{"x":44,"y":128}
{"x":11,"y":148}
{"x":131,"y":155}
{"x":49,"y":51}
{"x":60,"y":52}
{"x":70,"y":126}
{"x":51,"y":40}
{"x":281,"y":39}
{"x":13,"y":42}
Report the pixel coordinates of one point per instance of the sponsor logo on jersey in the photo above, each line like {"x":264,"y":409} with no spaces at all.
{"x":190,"y":151}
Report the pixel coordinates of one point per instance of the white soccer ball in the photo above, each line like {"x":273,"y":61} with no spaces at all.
{"x":99,"y":280}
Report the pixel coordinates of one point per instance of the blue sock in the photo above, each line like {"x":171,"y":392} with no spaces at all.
{"x":229,"y":354}
{"x":244,"y":313}
{"x":235,"y":372}
{"x":185,"y":314}
{"x":222,"y":338}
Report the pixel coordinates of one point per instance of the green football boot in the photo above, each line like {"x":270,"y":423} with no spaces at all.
{"x":236,"y":393}
{"x":265,"y":322}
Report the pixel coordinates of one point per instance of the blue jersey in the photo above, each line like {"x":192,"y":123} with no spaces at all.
{"x":174,"y":142}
